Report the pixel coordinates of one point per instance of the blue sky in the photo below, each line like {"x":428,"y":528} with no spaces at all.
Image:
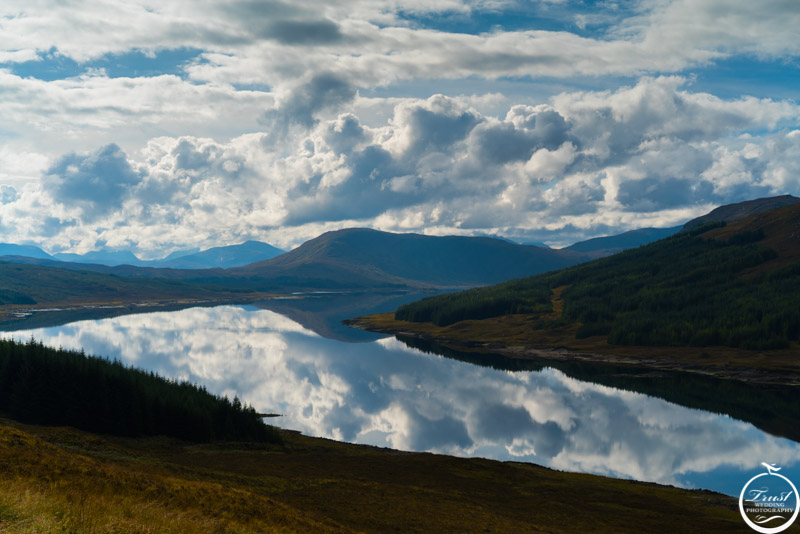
{"x":155,"y":127}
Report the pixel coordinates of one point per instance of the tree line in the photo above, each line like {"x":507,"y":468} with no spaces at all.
{"x":43,"y":385}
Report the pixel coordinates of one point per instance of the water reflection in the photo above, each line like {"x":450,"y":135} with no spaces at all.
{"x":389,"y":394}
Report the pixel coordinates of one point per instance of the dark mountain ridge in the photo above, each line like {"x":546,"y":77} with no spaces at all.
{"x":362,"y":255}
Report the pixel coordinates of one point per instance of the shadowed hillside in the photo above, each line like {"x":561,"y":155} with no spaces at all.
{"x":741,"y":210}
{"x":736,"y":285}
{"x":362,"y":257}
{"x":605,"y":246}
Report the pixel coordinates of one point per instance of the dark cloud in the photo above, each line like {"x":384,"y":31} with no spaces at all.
{"x":283,"y":22}
{"x":301,"y":32}
{"x":344,"y":134}
{"x":97,"y":183}
{"x":656,"y":193}
{"x":501,"y":143}
{"x":365,"y":193}
{"x":324,"y":91}
{"x":546,"y":125}
{"x":437,"y":129}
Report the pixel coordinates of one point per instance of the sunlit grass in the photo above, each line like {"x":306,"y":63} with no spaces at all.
{"x":64,"y":480}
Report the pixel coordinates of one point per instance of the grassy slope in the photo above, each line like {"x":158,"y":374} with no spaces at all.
{"x":63,"y":480}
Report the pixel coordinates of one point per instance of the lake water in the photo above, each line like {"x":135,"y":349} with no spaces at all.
{"x":332,"y":381}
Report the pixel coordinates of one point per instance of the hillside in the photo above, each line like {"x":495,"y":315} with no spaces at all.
{"x":50,"y":386}
{"x":734,"y":286}
{"x":359,"y":257}
{"x":605,"y":246}
{"x":741,"y":210}
{"x":29,"y":284}
{"x":63,"y":480}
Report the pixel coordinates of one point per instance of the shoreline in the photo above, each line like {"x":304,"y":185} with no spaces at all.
{"x":625,"y":356}
{"x":20,"y":316}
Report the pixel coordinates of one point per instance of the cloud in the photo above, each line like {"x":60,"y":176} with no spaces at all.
{"x":653,"y":153}
{"x":766,"y":28}
{"x":300,"y":107}
{"x":300,"y":32}
{"x":97,"y":182}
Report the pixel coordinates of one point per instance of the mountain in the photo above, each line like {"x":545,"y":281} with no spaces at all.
{"x":733,"y":284}
{"x":9,"y":249}
{"x":360,"y":257}
{"x":734,"y":212}
{"x":351,"y":259}
{"x":223,"y":257}
{"x":217,"y":257}
{"x":102,"y":257}
{"x":605,"y":246}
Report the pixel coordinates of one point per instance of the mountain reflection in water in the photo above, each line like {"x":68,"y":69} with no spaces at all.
{"x":387,"y":393}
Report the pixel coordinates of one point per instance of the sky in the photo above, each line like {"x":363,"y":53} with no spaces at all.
{"x":160,"y":126}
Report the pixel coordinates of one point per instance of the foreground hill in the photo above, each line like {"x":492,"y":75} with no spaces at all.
{"x":733,"y":285}
{"x":359,"y":257}
{"x":63,"y":480}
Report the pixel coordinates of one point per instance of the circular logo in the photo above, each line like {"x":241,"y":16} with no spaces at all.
{"x":769,"y":502}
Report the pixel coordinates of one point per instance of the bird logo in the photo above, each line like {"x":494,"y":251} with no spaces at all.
{"x":771,"y":469}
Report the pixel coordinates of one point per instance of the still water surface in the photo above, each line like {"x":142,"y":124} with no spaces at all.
{"x":332,"y":381}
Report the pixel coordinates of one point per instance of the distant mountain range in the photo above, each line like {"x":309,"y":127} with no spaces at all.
{"x":361,"y":258}
{"x":224,"y":257}
{"x":217,"y":257}
{"x":8,"y":249}
{"x":356,"y":258}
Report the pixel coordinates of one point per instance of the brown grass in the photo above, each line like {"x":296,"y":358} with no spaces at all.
{"x":63,"y":480}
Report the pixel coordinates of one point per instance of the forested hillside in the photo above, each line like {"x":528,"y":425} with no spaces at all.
{"x":42,"y":385}
{"x":736,"y":285}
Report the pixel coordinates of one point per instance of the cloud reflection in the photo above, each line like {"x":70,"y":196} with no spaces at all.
{"x":385,"y":393}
